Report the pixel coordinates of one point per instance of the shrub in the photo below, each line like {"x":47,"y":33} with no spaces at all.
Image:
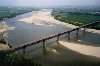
{"x":13,"y":59}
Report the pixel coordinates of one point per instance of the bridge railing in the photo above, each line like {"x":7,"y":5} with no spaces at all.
{"x":13,"y":49}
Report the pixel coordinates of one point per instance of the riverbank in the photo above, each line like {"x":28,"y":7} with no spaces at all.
{"x":12,"y":15}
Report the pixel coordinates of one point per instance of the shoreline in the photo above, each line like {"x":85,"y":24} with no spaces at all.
{"x":92,"y":51}
{"x":5,"y":18}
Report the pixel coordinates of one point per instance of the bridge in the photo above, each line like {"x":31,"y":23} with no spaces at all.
{"x":68,"y":33}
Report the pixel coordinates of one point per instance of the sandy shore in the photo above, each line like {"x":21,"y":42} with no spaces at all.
{"x":93,"y":31}
{"x":3,"y":46}
{"x":44,"y":18}
{"x":92,"y":51}
{"x":3,"y":28}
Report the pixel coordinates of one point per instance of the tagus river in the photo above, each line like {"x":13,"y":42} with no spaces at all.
{"x":28,"y":32}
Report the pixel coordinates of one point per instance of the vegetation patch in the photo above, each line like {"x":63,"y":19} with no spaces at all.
{"x":14,"y":59}
{"x":77,"y":17}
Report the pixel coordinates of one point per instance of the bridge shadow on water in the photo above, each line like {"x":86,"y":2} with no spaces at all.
{"x":60,"y":55}
{"x":89,"y":38}
{"x":81,"y":51}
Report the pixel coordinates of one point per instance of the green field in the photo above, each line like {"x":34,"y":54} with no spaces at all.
{"x":77,"y":16}
{"x":8,"y":12}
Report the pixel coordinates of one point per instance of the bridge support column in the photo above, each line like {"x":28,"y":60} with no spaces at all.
{"x":90,"y":26}
{"x":24,"y":50}
{"x":68,"y":35}
{"x":44,"y":47}
{"x":77,"y":33}
{"x":57,"y":38}
{"x":84,"y":30}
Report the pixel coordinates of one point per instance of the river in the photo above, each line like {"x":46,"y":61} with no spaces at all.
{"x":27,"y":32}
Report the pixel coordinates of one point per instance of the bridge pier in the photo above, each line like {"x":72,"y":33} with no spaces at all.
{"x":69,"y":35}
{"x":44,"y":47}
{"x":77,"y":33}
{"x":84,"y":30}
{"x":24,"y":50}
{"x":57,"y":38}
